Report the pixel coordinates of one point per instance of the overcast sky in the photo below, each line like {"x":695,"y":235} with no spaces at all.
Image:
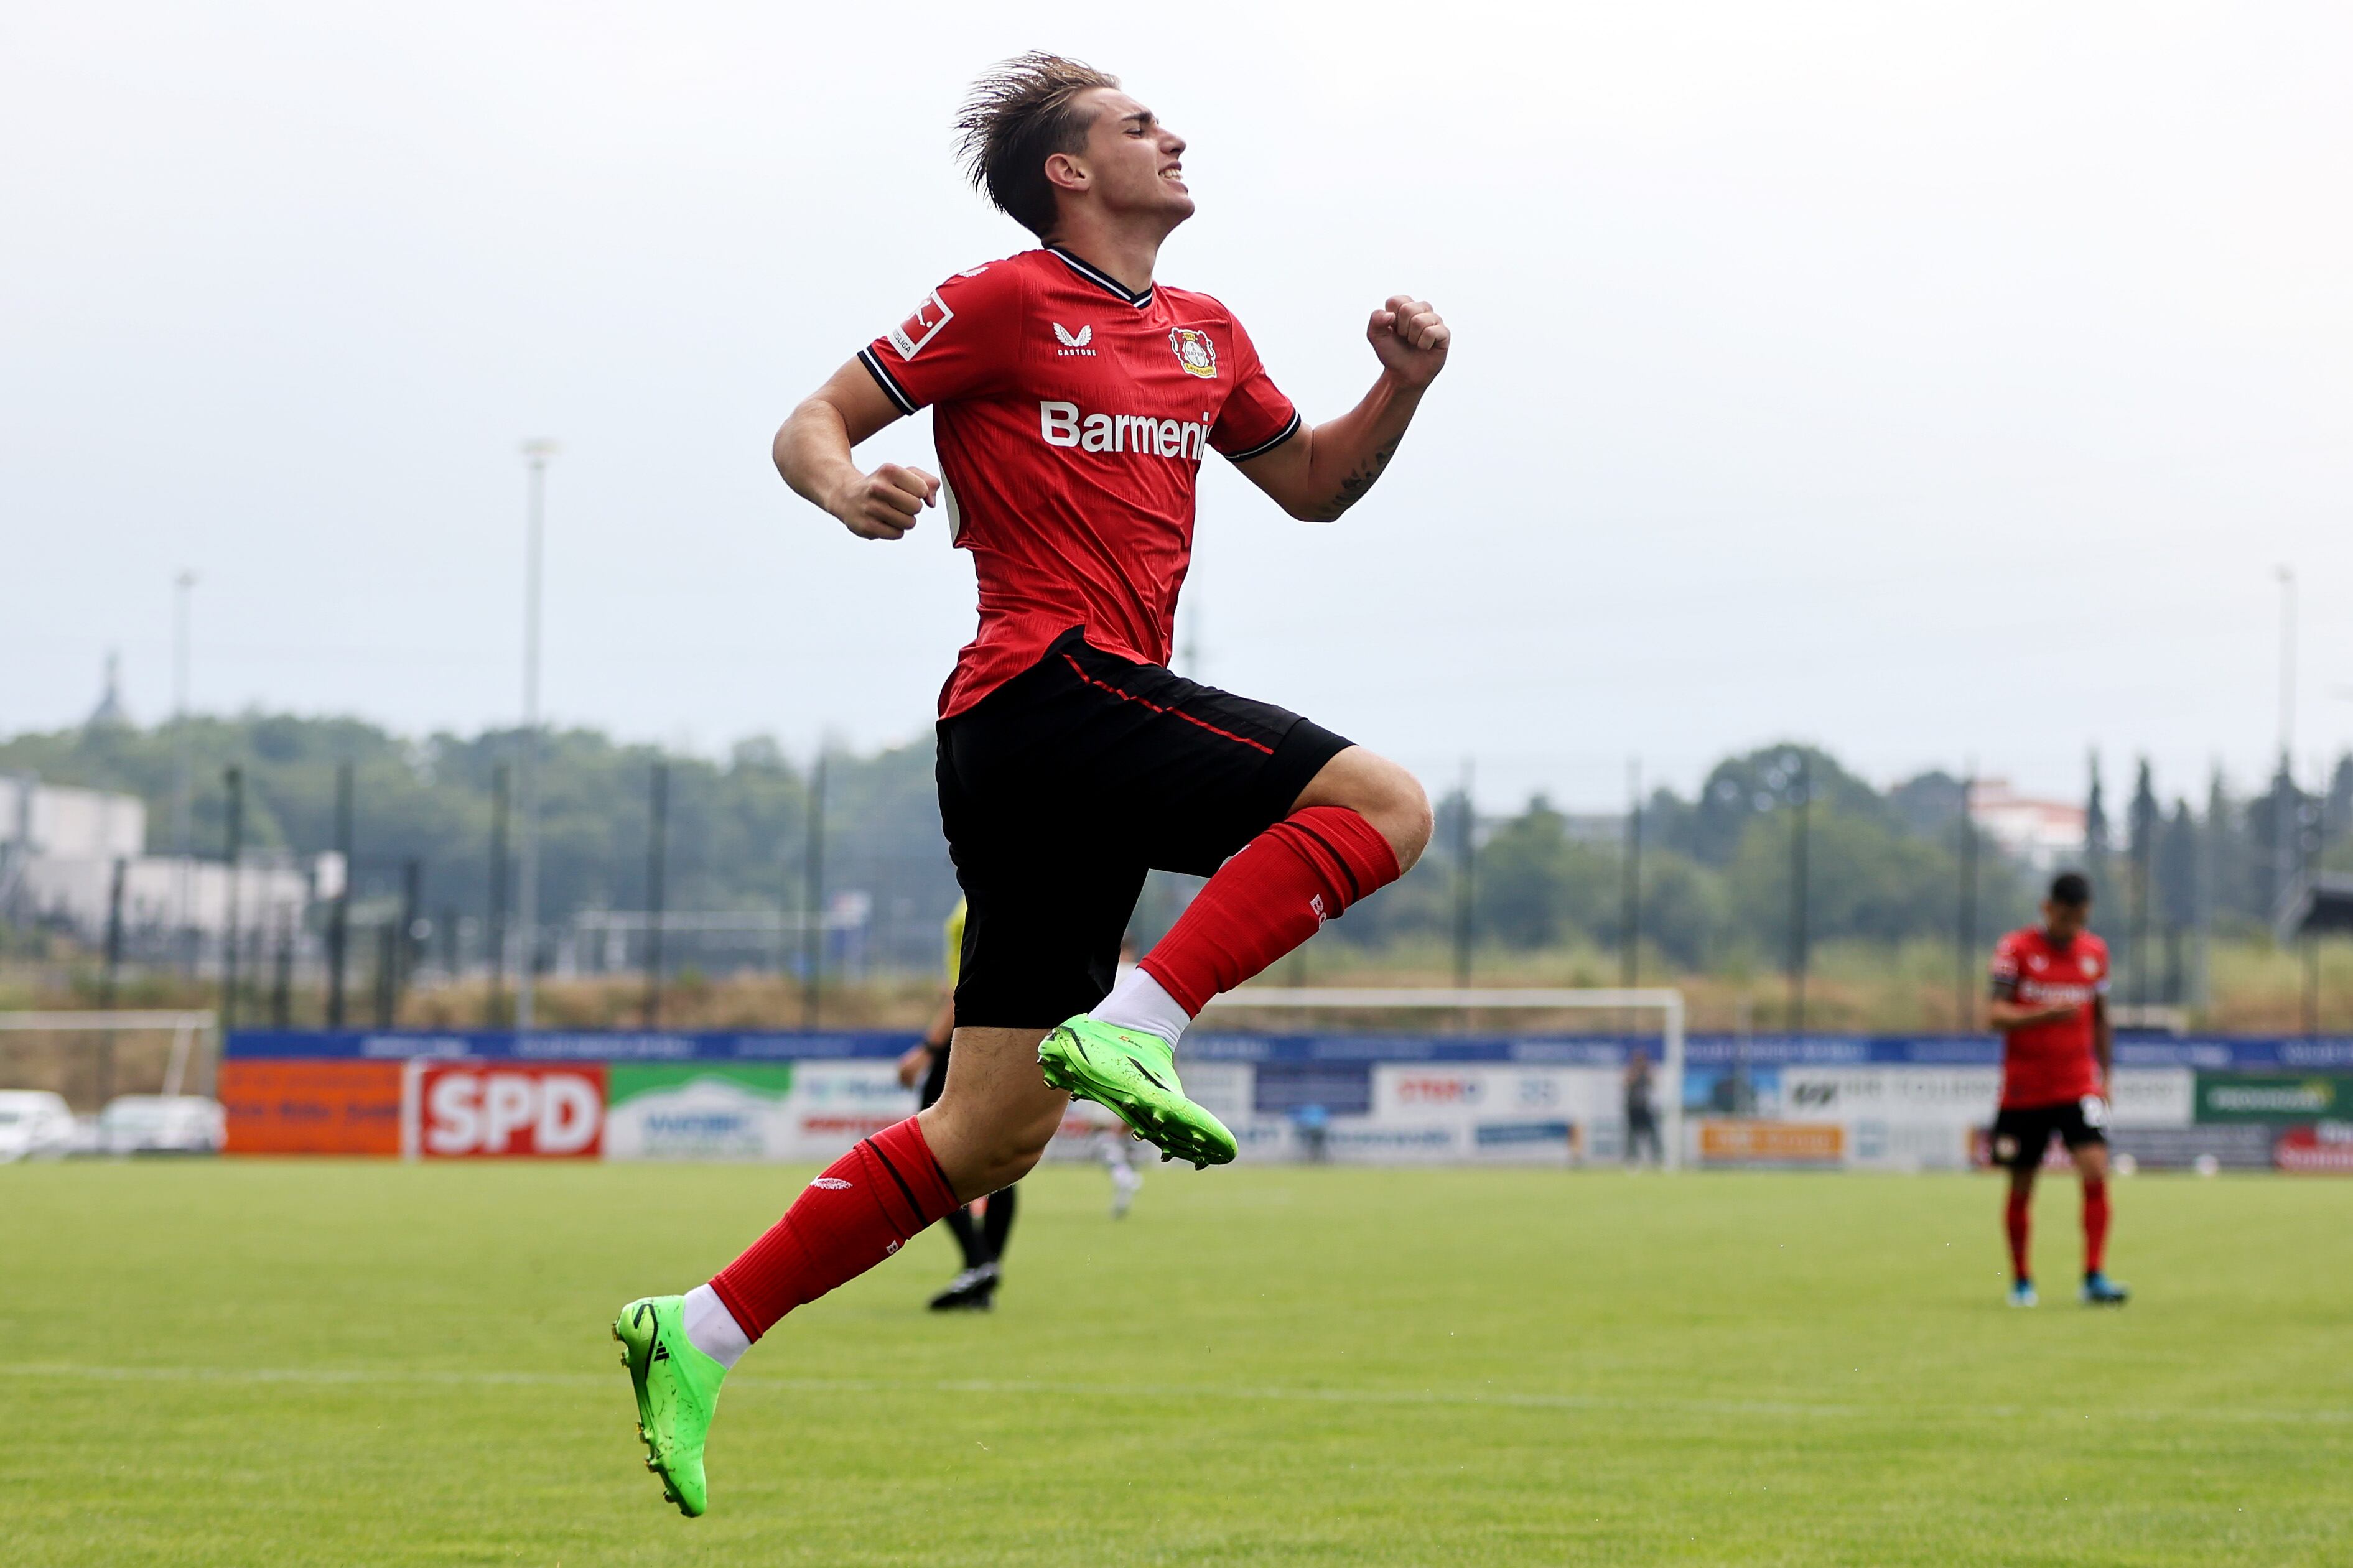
{"x":1930,"y":382}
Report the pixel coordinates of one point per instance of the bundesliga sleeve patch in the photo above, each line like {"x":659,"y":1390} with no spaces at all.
{"x":909,"y":335}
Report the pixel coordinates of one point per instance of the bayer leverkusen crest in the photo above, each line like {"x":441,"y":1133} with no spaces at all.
{"x":1194,"y":352}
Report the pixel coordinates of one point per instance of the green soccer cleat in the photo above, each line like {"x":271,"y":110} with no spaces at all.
{"x":678,"y":1388}
{"x":1135,"y":1074}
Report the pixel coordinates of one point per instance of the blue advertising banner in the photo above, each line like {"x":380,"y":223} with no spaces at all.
{"x":1701,"y":1051}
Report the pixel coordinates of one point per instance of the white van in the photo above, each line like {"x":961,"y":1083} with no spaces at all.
{"x":33,"y":1124}
{"x":162,"y":1125}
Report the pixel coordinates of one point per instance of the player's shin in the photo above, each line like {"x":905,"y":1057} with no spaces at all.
{"x":2014,"y":1224}
{"x":866,"y":1205}
{"x":1262,"y":903}
{"x":2096,"y":1226}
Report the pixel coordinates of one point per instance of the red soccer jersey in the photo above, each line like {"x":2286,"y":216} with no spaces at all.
{"x":1070,"y":418}
{"x":2050,"y":1064}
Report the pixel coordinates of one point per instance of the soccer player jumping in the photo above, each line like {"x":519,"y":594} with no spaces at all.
{"x":2051,"y":1002}
{"x":1076,"y":398}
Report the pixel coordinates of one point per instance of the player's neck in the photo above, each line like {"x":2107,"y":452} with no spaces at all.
{"x":1122,"y":252}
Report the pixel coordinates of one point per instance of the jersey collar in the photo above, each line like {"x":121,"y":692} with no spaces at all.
{"x":1100,"y":278}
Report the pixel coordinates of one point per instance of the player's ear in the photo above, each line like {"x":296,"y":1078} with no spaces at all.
{"x":1064,"y":170}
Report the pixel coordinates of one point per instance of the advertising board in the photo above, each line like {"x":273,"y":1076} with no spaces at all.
{"x":836,"y":1103}
{"x":698,"y":1111}
{"x":311,"y":1108}
{"x":2325,"y":1149}
{"x":1502,"y":1114}
{"x":1728,"y":1140}
{"x":2274,"y":1096}
{"x":465,"y":1111}
{"x":1963,"y":1096}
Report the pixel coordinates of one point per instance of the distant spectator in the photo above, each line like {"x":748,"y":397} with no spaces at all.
{"x":1642,"y":1116}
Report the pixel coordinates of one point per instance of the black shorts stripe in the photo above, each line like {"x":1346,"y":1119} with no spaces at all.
{"x":1131,"y":696}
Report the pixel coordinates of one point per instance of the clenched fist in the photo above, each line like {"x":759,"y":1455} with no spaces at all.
{"x":885,"y":503}
{"x":1410,"y":340}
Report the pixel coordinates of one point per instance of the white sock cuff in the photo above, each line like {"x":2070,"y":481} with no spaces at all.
{"x":712,"y":1329}
{"x":1138,"y":1002}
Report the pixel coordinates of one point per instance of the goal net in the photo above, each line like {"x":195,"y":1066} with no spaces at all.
{"x":91,"y":1057}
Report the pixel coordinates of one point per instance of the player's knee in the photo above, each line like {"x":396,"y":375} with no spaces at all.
{"x":1383,"y":793}
{"x":1394,"y":801}
{"x":1013,"y":1150}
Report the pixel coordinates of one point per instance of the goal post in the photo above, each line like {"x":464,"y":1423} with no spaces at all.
{"x":1667,"y":1003}
{"x":195,"y":1037}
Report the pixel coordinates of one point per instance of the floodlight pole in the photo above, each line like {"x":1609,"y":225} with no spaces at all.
{"x":1631,"y":939}
{"x":339,"y":915}
{"x":1965,"y":928}
{"x":2283,"y":833}
{"x":536,"y":453}
{"x":1802,"y":798}
{"x":657,"y":844}
{"x":183,"y":780}
{"x":234,"y":781}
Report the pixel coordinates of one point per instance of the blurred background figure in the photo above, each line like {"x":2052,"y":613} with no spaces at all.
{"x":981,"y":1228}
{"x":1641,"y":1114}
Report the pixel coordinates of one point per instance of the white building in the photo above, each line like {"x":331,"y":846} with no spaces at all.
{"x":2042,"y":833}
{"x":59,"y":847}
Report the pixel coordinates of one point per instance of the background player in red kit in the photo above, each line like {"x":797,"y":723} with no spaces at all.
{"x":1075,"y":398}
{"x":2049,"y":1001}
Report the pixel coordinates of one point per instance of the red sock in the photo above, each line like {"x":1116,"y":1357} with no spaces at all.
{"x":2096,"y":1226}
{"x":867,"y":1206}
{"x":1268,"y":899}
{"x":2014,"y":1220}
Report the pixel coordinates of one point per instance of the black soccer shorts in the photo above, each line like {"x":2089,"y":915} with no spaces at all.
{"x":2020,"y":1133}
{"x":1062,"y":787}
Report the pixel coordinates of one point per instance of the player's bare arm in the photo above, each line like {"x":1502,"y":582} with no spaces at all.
{"x":1323,"y":471}
{"x":812,"y":452}
{"x":2005,"y":1014}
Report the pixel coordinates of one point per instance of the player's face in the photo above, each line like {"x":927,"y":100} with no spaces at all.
{"x":2064,"y":922}
{"x":1135,"y":165}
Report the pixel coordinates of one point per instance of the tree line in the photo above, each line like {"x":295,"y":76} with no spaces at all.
{"x":1716,"y":887}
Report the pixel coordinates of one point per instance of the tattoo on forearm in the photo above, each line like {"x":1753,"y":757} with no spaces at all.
{"x":1352,"y":488}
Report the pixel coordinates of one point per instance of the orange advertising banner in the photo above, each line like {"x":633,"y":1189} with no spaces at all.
{"x":312,"y":1107}
{"x":1796,"y":1143}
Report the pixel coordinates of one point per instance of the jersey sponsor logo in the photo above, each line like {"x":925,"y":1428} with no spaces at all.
{"x":909,"y":335}
{"x":1067,"y":425}
{"x":831,"y":1183}
{"x":1194,"y":350}
{"x":1074,"y":344}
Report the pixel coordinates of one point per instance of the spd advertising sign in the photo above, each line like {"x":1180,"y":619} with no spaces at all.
{"x":455,"y":1110}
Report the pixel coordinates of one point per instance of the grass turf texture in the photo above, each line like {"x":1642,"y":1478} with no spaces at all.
{"x":272,"y":1363}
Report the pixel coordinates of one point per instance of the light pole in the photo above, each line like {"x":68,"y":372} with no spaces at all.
{"x":536,"y":454}
{"x":182,"y":813}
{"x":2283,"y":835}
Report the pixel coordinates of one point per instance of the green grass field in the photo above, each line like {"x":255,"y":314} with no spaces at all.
{"x":261,"y":1364}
